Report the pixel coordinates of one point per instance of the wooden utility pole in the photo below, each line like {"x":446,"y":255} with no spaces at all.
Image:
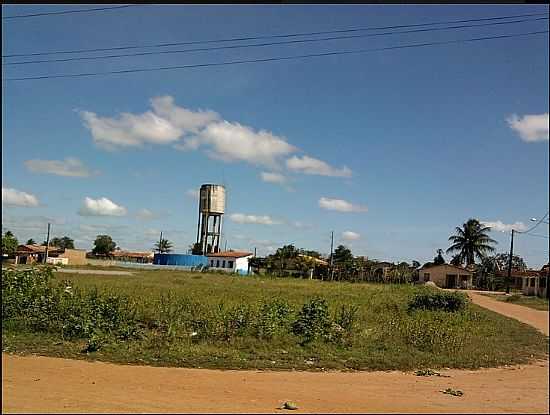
{"x":509,"y":275}
{"x":160,"y":243}
{"x":47,"y":244}
{"x":331,"y":260}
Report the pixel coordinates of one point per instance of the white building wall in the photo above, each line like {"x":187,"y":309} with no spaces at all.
{"x":240,"y":265}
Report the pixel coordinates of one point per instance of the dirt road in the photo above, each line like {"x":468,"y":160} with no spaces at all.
{"x":92,"y":271}
{"x":535,"y":318}
{"x":42,"y":384}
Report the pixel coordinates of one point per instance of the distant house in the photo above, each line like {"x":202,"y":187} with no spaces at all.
{"x":382,"y":269}
{"x":230,"y":261}
{"x":446,"y":276}
{"x":30,"y":254}
{"x":535,"y":282}
{"x":127,"y":256}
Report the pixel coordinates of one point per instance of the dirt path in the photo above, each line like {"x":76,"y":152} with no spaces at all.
{"x":43,"y":384}
{"x":92,"y":271}
{"x":535,"y":318}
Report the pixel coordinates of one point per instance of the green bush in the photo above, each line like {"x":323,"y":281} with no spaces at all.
{"x":272,"y":318}
{"x":438,"y":301}
{"x":313,"y":320}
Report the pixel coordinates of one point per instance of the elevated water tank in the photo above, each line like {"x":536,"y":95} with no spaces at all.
{"x":212,"y":199}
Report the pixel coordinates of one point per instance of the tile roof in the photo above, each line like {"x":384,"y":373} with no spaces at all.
{"x":230,"y":254}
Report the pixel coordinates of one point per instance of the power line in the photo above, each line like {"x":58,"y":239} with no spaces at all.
{"x":267,"y":44}
{"x":535,"y":234}
{"x":535,"y":225}
{"x":236,"y":39}
{"x":97,"y":9}
{"x":237,"y":62}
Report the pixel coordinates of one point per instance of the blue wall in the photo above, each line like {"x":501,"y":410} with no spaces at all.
{"x":185,"y":260}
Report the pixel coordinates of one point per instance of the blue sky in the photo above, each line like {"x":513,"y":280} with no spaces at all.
{"x":391,"y":149}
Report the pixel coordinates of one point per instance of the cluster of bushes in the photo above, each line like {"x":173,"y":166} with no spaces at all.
{"x":438,"y":301}
{"x":430,"y":320}
{"x":30,"y":299}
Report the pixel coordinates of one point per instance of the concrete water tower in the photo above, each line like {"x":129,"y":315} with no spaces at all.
{"x":211,"y":210}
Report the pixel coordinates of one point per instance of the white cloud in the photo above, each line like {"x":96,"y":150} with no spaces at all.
{"x":350,"y":236}
{"x":101,"y":207}
{"x":270,"y":177}
{"x":310,"y":165}
{"x":70,"y":167}
{"x":236,"y":142}
{"x":145,"y":214}
{"x":193,"y":193}
{"x":186,"y":120}
{"x":504,"y":227}
{"x":340,"y":205}
{"x":301,"y":225}
{"x":14,"y":197}
{"x":129,"y":130}
{"x":254,"y":219}
{"x":531,"y":128}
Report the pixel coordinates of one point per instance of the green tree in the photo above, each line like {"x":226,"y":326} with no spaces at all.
{"x":471,"y":241}
{"x":415,"y":264}
{"x":103,"y":245}
{"x":502,"y":261}
{"x":62,"y":243}
{"x":342,"y":255}
{"x":196,"y":249}
{"x":9,"y":244}
{"x":163,"y":246}
{"x":439,"y":260}
{"x":31,"y":242}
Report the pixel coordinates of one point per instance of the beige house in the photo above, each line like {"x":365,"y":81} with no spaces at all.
{"x":535,"y":282}
{"x":30,"y":254}
{"x":446,"y":276}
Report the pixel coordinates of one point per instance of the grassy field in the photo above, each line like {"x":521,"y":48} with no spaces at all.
{"x":175,"y":318}
{"x":528,"y":301}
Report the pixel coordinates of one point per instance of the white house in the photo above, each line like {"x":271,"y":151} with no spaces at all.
{"x":230,"y":261}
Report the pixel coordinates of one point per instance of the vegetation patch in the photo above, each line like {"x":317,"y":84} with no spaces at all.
{"x":170,"y":318}
{"x":534,"y":302}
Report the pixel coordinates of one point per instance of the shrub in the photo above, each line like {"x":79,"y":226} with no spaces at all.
{"x":438,"y":301}
{"x":313,"y":320}
{"x":273,"y":317}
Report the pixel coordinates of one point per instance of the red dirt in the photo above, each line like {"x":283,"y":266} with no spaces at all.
{"x":43,"y":384}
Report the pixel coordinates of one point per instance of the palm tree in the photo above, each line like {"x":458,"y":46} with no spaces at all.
{"x":164,"y":245}
{"x":471,"y":241}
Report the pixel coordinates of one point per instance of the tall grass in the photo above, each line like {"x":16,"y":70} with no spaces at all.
{"x":188,"y":319}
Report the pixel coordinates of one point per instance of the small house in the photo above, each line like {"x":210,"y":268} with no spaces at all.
{"x":446,"y":276}
{"x":230,"y":261}
{"x":30,"y":254}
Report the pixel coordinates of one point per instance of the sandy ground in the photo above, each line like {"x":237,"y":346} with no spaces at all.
{"x":535,"y":318}
{"x":43,"y":384}
{"x":93,"y":271}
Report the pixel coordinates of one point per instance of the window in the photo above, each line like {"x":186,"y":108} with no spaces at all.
{"x":223,"y":264}
{"x":211,"y":262}
{"x":542,"y":282}
{"x":532,"y":282}
{"x":229,"y":264}
{"x":218,"y":263}
{"x":426,"y":276}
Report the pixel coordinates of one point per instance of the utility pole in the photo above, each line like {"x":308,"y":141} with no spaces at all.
{"x":225,"y":247}
{"x":47,"y":244}
{"x":160,"y":243}
{"x":510,"y":264}
{"x":331,"y":247}
{"x":254,"y":252}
